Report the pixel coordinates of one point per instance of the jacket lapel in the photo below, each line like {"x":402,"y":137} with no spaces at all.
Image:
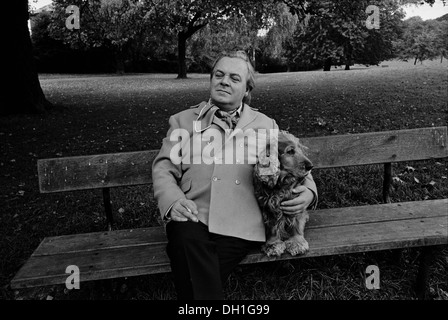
{"x":246,"y":117}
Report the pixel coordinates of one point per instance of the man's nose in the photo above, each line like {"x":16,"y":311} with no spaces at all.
{"x":224,"y":81}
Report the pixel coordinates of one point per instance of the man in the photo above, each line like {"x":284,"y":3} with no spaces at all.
{"x":212,"y":213}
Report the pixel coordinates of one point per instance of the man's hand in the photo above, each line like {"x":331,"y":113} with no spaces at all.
{"x":184,"y":210}
{"x":304,"y":197}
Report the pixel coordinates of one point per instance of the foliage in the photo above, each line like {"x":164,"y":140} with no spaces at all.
{"x":181,"y":35}
{"x":281,"y":29}
{"x":113,"y":24}
{"x":233,"y":33}
{"x":337,"y":32}
{"x":422,"y":40}
{"x":185,"y":17}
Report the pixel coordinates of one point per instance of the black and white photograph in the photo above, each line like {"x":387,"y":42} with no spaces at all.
{"x":220,"y":159}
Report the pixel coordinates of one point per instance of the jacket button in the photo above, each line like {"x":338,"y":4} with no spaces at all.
{"x":237,"y":181}
{"x":215,"y":178}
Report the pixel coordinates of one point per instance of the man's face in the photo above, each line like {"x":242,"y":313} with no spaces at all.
{"x":228,"y":83}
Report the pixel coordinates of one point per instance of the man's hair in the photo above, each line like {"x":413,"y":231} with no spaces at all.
{"x":250,"y":84}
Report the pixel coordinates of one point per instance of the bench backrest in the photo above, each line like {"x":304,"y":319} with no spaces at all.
{"x":134,"y":168}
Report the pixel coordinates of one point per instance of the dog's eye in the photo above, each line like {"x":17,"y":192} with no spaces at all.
{"x":291,"y":151}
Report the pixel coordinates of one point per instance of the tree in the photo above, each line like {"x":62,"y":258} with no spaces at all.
{"x":421,"y":40}
{"x":336,"y":33}
{"x":441,"y":38}
{"x":113,"y":24}
{"x":280,"y":30}
{"x":223,"y":35}
{"x":21,"y":73}
{"x":186,"y":17}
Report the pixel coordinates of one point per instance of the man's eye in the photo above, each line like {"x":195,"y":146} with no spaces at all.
{"x":236,"y":79}
{"x":218,"y":75}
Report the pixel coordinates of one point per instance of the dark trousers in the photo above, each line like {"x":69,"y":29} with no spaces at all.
{"x":202,"y":261}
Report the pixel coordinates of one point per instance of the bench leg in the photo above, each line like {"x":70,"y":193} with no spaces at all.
{"x":421,"y":282}
{"x":387,"y":181}
{"x":108,"y":208}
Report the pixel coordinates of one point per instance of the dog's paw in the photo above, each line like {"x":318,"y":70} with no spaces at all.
{"x":275,"y":249}
{"x":297,"y":245}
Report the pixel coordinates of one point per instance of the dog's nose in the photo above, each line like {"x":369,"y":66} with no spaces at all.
{"x":308,"y":165}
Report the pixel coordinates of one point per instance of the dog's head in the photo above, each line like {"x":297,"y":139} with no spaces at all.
{"x":292,"y":157}
{"x":291,"y":162}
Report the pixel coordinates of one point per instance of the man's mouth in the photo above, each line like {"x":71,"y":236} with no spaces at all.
{"x":220,"y":90}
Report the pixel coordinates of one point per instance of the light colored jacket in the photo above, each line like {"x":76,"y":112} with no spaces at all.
{"x":223,"y":193}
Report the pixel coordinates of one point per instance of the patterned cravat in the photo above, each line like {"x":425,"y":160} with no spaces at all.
{"x":231,"y":118}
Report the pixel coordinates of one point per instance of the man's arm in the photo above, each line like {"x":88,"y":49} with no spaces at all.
{"x":171,"y":200}
{"x":311,"y":185}
{"x":306,"y":197}
{"x":165,"y":174}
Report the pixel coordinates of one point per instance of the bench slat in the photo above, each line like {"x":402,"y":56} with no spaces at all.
{"x":318,"y":219}
{"x":329,"y":232}
{"x":101,"y":241}
{"x":134,"y":168}
{"x":377,"y":147}
{"x":96,"y":171}
{"x":93,"y":265}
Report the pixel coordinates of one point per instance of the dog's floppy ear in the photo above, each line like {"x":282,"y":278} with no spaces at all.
{"x":301,"y":146}
{"x":268,"y":165}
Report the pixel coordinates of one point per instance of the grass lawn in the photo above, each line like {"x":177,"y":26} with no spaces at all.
{"x":107,"y":113}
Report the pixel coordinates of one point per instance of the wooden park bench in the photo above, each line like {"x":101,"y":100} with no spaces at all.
{"x":134,"y":252}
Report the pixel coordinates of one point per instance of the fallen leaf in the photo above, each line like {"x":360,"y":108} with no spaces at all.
{"x":416,"y":180}
{"x":321,"y":122}
{"x":397,"y":180}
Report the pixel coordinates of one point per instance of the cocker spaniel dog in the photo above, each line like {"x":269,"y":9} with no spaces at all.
{"x":274,"y":178}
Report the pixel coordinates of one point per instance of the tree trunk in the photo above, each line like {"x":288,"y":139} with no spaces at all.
{"x":415,"y":61}
{"x":348,"y":56}
{"x":23,"y":76}
{"x":327,"y":64}
{"x":119,"y":61}
{"x":254,"y":62}
{"x":182,"y":38}
{"x":182,"y":49}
